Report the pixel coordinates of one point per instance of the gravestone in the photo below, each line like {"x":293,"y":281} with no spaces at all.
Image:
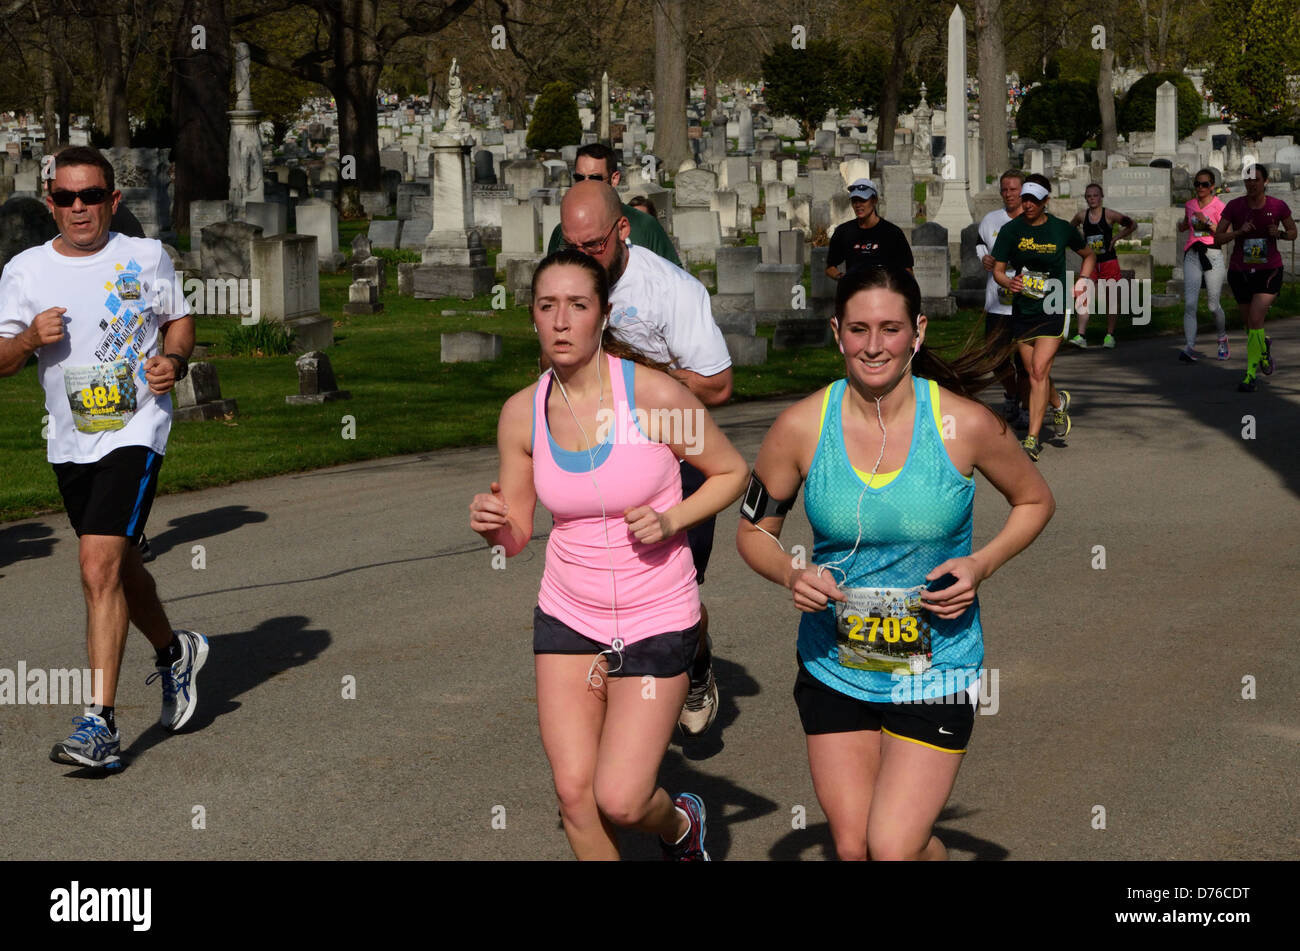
{"x":287,"y":269}
{"x":484,"y":168}
{"x":726,"y":205}
{"x":734,"y":170}
{"x":896,"y":195}
{"x":414,"y":233}
{"x":272,"y":217}
{"x":775,"y":196}
{"x":699,"y":233}
{"x":363,"y":298}
{"x":801,"y":333}
{"x":226,"y":249}
{"x":745,"y":139}
{"x":470,"y":347}
{"x":24,"y":223}
{"x":383,"y":234}
{"x":523,"y":175}
{"x":930,"y":254}
{"x":321,"y":220}
{"x":746,"y":350}
{"x":454,"y":261}
{"x":204,"y":213}
{"x":735,"y":267}
{"x":198,"y":396}
{"x":974,"y":279}
{"x":521,"y":234}
{"x":694,"y":188}
{"x":1137,"y":189}
{"x":406,"y":193}
{"x":316,"y":383}
{"x":774,"y":287}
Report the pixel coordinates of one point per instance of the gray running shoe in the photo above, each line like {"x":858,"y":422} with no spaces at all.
{"x":91,"y":744}
{"x":701,"y":707}
{"x":179,"y":689}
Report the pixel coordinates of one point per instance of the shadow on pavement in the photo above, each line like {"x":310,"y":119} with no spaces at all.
{"x":237,"y":663}
{"x":798,"y":843}
{"x":733,"y":682}
{"x":202,"y":525}
{"x":676,"y":775}
{"x":24,"y":542}
{"x":1211,"y":399}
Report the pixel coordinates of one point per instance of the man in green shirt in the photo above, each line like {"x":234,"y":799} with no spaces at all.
{"x":1033,"y":245}
{"x":596,"y":162}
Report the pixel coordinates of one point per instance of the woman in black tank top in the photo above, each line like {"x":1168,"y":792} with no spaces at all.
{"x":1101,"y":238}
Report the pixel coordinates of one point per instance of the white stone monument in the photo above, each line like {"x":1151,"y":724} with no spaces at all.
{"x":954,"y":214}
{"x":245,"y":165}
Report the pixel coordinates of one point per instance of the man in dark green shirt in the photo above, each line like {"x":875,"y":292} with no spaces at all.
{"x":596,"y":162}
{"x":1033,"y":245}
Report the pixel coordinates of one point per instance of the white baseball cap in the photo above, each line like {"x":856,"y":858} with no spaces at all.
{"x":863,"y":188}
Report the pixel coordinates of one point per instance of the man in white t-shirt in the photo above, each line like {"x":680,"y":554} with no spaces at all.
{"x":664,"y":312}
{"x":112,"y":336}
{"x":997,"y":303}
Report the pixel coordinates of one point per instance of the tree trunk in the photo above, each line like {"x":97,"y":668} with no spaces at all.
{"x":49,"y":116}
{"x":992,"y":72}
{"x":1106,"y":101}
{"x":200,"y":94}
{"x":671,"y":146}
{"x":889,"y":92}
{"x":112,"y":83}
{"x":355,"y":87}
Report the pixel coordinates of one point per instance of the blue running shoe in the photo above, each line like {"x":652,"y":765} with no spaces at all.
{"x":91,"y":744}
{"x":691,"y":847}
{"x":179,"y":687}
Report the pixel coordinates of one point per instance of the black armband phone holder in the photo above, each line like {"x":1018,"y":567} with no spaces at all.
{"x":758,"y":503}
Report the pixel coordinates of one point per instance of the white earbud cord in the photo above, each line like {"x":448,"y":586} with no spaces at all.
{"x":861,"y":495}
{"x":593,"y":675}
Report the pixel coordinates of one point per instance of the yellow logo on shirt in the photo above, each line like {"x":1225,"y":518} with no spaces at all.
{"x":1029,"y":244}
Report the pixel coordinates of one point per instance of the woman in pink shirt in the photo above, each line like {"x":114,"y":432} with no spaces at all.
{"x":597,"y":439}
{"x":1254,"y":223}
{"x":1202,"y":258}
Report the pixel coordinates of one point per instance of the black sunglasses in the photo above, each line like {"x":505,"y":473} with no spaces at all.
{"x":89,"y":196}
{"x":598,"y":177}
{"x":1200,"y":184}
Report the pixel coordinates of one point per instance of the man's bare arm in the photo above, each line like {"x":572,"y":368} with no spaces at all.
{"x":710,"y":390}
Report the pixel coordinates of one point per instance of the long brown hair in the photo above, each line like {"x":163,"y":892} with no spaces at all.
{"x":610,"y":343}
{"x":966,"y":374}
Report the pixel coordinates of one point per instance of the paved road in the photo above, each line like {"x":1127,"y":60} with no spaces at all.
{"x":1119,"y":688}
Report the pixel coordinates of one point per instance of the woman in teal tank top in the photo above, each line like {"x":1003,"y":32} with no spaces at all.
{"x":890,"y":645}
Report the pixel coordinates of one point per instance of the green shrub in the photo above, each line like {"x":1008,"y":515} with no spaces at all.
{"x":555,"y":119}
{"x":1137,"y":111}
{"x":1062,"y":109}
{"x":267,"y":338}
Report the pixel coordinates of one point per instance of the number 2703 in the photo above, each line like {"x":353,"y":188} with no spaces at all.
{"x":889,"y":629}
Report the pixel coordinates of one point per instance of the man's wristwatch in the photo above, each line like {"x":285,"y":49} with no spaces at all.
{"x":184,"y":367}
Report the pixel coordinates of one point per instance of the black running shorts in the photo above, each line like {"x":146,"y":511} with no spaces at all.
{"x":112,"y":496}
{"x":943,"y":724}
{"x":1246,"y":284}
{"x":663,"y":655}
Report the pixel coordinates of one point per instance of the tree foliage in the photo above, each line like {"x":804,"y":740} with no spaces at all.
{"x":1137,"y":111}
{"x":1255,"y":44}
{"x":805,"y":83}
{"x":555,"y":119}
{"x":1060,"y":109}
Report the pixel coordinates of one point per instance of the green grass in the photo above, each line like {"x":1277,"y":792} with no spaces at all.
{"x":404,"y":399}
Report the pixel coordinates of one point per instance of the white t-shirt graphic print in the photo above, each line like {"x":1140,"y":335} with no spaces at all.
{"x":96,"y":394}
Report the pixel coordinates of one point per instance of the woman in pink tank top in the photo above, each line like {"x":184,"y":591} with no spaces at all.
{"x":597,"y":439}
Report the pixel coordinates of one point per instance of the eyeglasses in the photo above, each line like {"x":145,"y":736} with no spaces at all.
{"x":597,"y":177}
{"x":594,"y":250}
{"x":1204,"y":184}
{"x":89,"y":196}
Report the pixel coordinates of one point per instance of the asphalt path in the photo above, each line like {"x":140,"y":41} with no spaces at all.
{"x":1119,"y":698}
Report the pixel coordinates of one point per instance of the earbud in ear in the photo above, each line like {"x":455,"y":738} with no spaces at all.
{"x":916,"y":348}
{"x":841,"y":348}
{"x":603,"y":324}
